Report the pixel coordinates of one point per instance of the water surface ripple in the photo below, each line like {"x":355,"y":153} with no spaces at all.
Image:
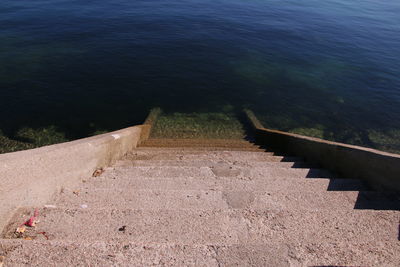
{"x":73,"y":68}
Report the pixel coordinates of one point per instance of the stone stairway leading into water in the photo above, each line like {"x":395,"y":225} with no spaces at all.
{"x":209,"y":203}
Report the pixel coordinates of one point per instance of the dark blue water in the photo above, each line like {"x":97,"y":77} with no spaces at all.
{"x":324,"y":68}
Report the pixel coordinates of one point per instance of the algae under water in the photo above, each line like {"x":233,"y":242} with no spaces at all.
{"x":74,"y":68}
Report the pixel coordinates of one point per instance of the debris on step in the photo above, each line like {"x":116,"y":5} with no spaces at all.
{"x":84,"y":206}
{"x":28,"y":230}
{"x":50,"y":206}
{"x":31,"y":222}
{"x":98,"y":172}
{"x":76,"y":192}
{"x":122,"y":228}
{"x":20,"y":230}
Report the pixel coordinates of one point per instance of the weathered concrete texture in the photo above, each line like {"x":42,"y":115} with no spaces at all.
{"x":222,"y":227}
{"x":31,"y":177}
{"x":157,"y":199}
{"x":231,"y":171}
{"x":122,"y":178}
{"x":209,"y":207}
{"x":67,"y":253}
{"x":380,"y":169}
{"x":214,"y":154}
{"x":210,"y":163}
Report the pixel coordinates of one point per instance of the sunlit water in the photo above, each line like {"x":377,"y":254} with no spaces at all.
{"x":72,"y":68}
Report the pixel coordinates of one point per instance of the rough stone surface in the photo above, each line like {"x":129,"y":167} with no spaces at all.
{"x":209,"y":207}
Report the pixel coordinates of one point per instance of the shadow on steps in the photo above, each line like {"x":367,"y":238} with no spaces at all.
{"x":378,"y":200}
{"x":366,"y":199}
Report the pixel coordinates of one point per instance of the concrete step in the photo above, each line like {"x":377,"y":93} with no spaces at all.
{"x":231,"y":227}
{"x":211,"y":163}
{"x":239,"y":156}
{"x":99,"y":253}
{"x":121,"y":179}
{"x":228,"y":143}
{"x":224,"y":170}
{"x":213,"y":156}
{"x":196,"y":151}
{"x":209,"y":199}
{"x":205,"y":148}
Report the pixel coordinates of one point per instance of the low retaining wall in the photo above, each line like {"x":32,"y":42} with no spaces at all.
{"x":31,"y":177}
{"x":379,"y":169}
{"x":148,"y":124}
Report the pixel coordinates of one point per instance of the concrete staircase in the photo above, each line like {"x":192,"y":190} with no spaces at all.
{"x":210,"y":203}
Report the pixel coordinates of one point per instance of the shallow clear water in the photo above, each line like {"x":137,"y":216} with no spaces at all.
{"x":323,"y":68}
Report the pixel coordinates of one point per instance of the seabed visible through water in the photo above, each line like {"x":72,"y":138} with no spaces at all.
{"x":72,"y":69}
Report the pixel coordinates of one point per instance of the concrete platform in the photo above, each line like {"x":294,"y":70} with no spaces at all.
{"x":222,"y":227}
{"x":124,"y":180}
{"x":161,"y":199}
{"x":99,"y":253}
{"x":209,"y":206}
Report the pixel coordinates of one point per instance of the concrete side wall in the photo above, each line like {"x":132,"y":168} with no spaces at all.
{"x":148,"y":124}
{"x":31,"y":177}
{"x":380,"y":169}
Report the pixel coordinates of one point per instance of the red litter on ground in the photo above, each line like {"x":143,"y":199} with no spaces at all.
{"x":33,"y":219}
